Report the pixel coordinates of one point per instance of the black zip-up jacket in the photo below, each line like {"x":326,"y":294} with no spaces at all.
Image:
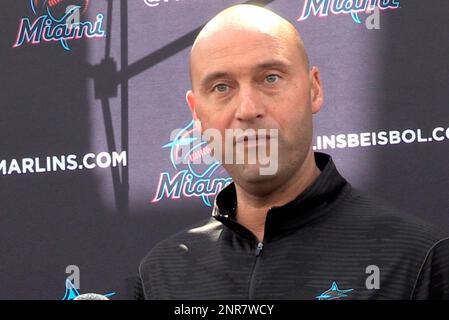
{"x":331,"y":242}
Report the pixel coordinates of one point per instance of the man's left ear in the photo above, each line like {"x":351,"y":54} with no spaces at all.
{"x":316,"y":90}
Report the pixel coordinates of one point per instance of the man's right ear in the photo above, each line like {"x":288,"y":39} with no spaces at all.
{"x":191,"y":102}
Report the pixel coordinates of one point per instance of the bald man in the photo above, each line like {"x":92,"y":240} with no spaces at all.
{"x":302,"y":232}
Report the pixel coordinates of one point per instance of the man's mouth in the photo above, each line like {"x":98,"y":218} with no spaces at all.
{"x":253,"y":139}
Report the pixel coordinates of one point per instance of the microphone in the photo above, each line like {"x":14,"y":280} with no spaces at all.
{"x":91,"y":296}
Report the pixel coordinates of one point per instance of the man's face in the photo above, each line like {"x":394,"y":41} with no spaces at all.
{"x":252,"y":80}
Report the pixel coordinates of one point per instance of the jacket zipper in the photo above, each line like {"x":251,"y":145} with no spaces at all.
{"x":258,"y":252}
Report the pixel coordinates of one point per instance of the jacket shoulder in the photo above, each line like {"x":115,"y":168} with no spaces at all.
{"x":389,"y":220}
{"x":200,"y":234}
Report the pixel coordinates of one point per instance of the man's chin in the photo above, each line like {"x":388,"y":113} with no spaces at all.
{"x":251,"y":174}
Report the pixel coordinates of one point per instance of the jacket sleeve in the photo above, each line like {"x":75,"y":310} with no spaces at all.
{"x":432,"y":282}
{"x":142,"y":287}
{"x":138,"y":290}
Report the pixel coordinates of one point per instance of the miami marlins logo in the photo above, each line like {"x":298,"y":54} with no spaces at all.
{"x":322,"y":8}
{"x":192,"y":179}
{"x":333,"y":293}
{"x":59,"y":21}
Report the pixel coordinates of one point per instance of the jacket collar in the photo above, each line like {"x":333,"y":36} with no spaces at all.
{"x":313,"y":203}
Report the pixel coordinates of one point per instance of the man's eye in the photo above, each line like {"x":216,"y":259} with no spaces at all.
{"x":220,"y":88}
{"x":272,"y":78}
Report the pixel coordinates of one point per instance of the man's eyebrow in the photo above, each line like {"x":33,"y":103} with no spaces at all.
{"x":273,"y":64}
{"x":270,"y":64}
{"x":213,"y":76}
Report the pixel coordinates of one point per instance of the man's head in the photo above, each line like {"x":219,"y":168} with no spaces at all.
{"x":249,"y":70}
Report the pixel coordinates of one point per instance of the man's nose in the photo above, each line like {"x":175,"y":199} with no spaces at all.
{"x":250,"y":105}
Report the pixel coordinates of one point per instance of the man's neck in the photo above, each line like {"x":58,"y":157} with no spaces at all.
{"x":252,"y":209}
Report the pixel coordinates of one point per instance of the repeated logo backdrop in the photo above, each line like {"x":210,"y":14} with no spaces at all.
{"x":87,"y":174}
